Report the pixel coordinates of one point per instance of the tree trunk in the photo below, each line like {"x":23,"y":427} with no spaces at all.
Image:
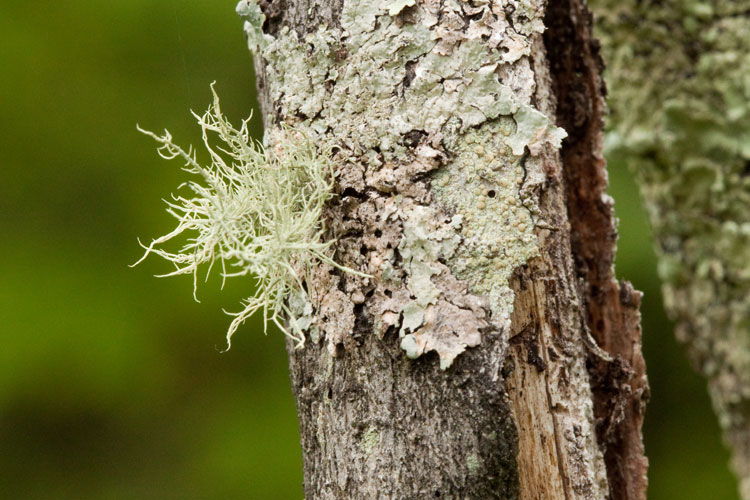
{"x":681,"y":117}
{"x":491,"y":354}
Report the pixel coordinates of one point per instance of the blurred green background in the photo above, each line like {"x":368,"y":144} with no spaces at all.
{"x":111,"y":383}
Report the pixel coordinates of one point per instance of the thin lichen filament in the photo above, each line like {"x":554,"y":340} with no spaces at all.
{"x":256,"y":211}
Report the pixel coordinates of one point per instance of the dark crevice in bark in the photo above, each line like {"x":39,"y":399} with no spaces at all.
{"x":303,"y":16}
{"x":619,"y":385}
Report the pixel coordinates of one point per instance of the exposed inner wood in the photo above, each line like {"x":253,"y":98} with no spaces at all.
{"x":611,"y":309}
{"x":503,"y":422}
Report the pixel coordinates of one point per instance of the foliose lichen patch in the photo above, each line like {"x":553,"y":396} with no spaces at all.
{"x":428,"y":105}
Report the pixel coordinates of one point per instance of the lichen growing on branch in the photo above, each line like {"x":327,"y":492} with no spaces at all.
{"x":255,"y":211}
{"x":402,"y":86}
{"x":680,"y":99}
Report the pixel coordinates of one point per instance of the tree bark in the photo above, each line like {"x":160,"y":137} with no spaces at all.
{"x":681,"y":118}
{"x":491,"y":354}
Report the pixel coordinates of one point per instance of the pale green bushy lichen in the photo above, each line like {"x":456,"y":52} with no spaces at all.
{"x":254,"y":211}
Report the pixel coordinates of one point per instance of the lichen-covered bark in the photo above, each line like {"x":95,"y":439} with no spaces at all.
{"x":459,"y":368}
{"x":679,"y":74}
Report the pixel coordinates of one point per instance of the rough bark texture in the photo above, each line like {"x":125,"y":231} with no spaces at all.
{"x":678,"y":71}
{"x":454,"y":195}
{"x":612,"y":310}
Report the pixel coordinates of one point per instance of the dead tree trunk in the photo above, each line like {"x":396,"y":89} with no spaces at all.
{"x":492,"y":354}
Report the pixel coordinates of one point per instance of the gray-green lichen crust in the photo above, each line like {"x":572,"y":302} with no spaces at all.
{"x":434,"y":125}
{"x":679,"y":74}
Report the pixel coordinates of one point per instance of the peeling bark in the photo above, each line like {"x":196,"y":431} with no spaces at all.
{"x":611,"y":309}
{"x":464,"y":367}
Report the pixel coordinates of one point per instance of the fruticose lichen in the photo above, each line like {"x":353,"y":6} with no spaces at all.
{"x":434,"y":126}
{"x":255,"y":211}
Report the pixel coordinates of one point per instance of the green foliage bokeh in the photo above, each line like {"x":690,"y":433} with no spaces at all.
{"x":111,"y":383}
